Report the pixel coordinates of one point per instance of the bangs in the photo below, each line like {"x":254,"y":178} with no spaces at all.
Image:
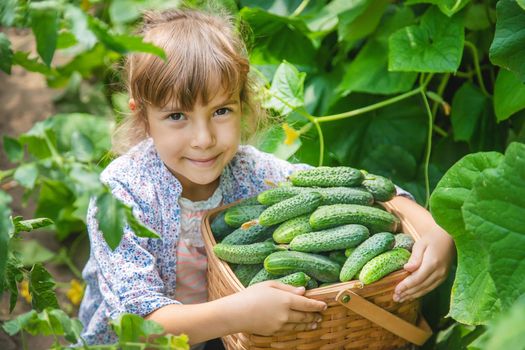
{"x":199,"y":64}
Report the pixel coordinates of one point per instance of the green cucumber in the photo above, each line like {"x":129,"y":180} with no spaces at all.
{"x":264,"y":275}
{"x":290,"y":208}
{"x":380,"y":187}
{"x":219,"y":227}
{"x":369,"y":249}
{"x":312,"y":283}
{"x":374,"y":219}
{"x":296,"y":279}
{"x":327,"y":177}
{"x":253,"y":234}
{"x":338,"y":256}
{"x":340,"y":237}
{"x":404,"y":240}
{"x":278,"y":194}
{"x":384,"y":264}
{"x":239,"y":214}
{"x":349,"y":251}
{"x":245,"y":273}
{"x":289,"y":229}
{"x":317,"y":266}
{"x":245,"y":254}
{"x":346,"y":195}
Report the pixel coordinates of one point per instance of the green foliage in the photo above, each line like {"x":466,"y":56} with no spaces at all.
{"x":479,"y":202}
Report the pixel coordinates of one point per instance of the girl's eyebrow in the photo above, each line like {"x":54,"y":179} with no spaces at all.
{"x":175,"y":108}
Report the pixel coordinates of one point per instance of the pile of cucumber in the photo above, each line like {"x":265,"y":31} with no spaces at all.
{"x":322,"y":226}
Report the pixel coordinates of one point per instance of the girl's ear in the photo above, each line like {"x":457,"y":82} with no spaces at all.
{"x":132,"y":105}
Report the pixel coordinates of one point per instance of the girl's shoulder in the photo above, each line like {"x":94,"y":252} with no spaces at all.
{"x":140,"y":171}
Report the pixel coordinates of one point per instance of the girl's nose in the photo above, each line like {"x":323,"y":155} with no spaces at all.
{"x":203,"y":136}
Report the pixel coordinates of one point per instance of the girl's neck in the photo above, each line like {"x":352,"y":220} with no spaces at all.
{"x":195,"y":192}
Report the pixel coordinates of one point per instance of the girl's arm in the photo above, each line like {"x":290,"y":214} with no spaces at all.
{"x":264,"y":309}
{"x":432,"y":255}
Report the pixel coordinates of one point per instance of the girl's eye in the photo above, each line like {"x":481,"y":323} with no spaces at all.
{"x":222,"y":111}
{"x":176,"y":116}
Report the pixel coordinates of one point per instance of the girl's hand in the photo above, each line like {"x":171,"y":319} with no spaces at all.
{"x":429,"y":265}
{"x":271,"y":306}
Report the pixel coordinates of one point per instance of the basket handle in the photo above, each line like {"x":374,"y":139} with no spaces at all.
{"x":415,"y":334}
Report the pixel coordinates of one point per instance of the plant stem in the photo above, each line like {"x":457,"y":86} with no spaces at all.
{"x":72,"y":267}
{"x":54,"y":153}
{"x":474,"y":50}
{"x":440,"y":90}
{"x":439,"y":131}
{"x":300,"y":8}
{"x":369,"y":108}
{"x":23,"y":339}
{"x":321,"y":141}
{"x":428,"y":147}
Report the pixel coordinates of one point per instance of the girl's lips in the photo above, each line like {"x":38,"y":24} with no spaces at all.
{"x":203,"y":162}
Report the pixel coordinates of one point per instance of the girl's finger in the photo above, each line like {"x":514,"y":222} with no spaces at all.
{"x":304,"y":317}
{"x":416,"y":258}
{"x":426,"y":290}
{"x":414,"y":279}
{"x":300,"y":303}
{"x":286,"y":287}
{"x":411,"y":292}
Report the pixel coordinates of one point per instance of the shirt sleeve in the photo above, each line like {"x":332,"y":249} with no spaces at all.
{"x":127,"y":277}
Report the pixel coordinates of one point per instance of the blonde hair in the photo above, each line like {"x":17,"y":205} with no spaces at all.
{"x":204,"y":53}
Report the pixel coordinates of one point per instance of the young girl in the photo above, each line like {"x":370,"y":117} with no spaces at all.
{"x":189,"y":114}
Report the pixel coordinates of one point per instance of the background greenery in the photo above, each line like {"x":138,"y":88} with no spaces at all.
{"x":419,"y":91}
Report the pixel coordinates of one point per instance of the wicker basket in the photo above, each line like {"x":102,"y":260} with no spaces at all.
{"x":357,"y":317}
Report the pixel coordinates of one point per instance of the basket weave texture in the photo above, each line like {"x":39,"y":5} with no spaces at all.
{"x":340,"y":328}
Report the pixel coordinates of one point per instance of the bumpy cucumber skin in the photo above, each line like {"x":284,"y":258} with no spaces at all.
{"x":264,"y":275}
{"x":245,"y":273}
{"x":340,"y":237}
{"x":327,"y":177}
{"x":278,"y":194}
{"x":239,"y":214}
{"x":290,"y":208}
{"x":245,"y":254}
{"x":384,"y":264}
{"x":374,"y":219}
{"x":369,"y":249}
{"x":346,"y":195}
{"x":219,"y":227}
{"x":296,"y":279}
{"x":253,"y":234}
{"x":380,"y":187}
{"x":289,"y":229}
{"x":404,"y":240}
{"x":316,"y":266}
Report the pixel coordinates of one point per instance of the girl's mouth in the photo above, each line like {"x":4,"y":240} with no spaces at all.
{"x":203,"y":162}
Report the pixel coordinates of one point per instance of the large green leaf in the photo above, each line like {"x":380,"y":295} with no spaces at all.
{"x":26,"y":175}
{"x":79,"y":26}
{"x":509,"y":95}
{"x":448,"y":7}
{"x":279,"y":38}
{"x":6,"y":55}
{"x":45,"y":25}
{"x":508,"y":48}
{"x":287,"y":90}
{"x":468,"y":106}
{"x":436,"y":45}
{"x":42,"y":287}
{"x":131,"y":328}
{"x":328,"y":17}
{"x":494,"y":213}
{"x":506,"y":331}
{"x":373,"y":59}
{"x":352,"y":28}
{"x":473,"y":299}
{"x":13,"y":149}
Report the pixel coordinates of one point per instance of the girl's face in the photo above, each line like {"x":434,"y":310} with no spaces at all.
{"x":197,"y":144}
